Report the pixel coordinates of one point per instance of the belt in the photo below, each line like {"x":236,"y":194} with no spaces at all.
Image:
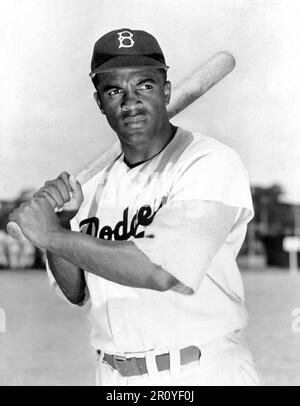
{"x":138,"y":366}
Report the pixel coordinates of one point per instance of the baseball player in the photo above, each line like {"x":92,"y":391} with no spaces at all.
{"x":150,"y":242}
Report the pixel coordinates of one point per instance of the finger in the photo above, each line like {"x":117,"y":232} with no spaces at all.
{"x":64,"y":189}
{"x":73,"y":183}
{"x":65,"y":177}
{"x":11,"y":217}
{"x":76,"y":187}
{"x":45,"y":194}
{"x":51,"y":188}
{"x":36,"y":201}
{"x":14,"y":214}
{"x":62,"y":183}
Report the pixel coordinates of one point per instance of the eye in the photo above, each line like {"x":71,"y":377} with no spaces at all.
{"x":114,"y":92}
{"x":146,"y":86}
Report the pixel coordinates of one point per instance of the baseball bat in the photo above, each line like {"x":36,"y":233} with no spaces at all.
{"x":185,"y":93}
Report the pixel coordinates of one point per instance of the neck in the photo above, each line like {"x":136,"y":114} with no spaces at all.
{"x":146,"y":149}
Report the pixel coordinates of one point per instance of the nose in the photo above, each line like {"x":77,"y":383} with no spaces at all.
{"x":130,"y":101}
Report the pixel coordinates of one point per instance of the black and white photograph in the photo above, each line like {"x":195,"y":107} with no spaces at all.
{"x":149,"y":194}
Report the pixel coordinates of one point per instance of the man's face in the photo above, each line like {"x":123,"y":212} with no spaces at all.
{"x":134,"y":102}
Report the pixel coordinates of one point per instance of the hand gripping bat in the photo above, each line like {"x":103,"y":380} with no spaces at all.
{"x":185,"y":93}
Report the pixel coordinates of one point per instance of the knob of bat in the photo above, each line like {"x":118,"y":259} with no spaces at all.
{"x":14,"y":231}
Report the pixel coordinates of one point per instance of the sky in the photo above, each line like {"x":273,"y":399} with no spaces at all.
{"x":49,"y":121}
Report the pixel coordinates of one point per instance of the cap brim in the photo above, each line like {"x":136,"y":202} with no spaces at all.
{"x":129,"y":61}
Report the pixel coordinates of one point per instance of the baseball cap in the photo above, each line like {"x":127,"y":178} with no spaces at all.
{"x":126,"y":48}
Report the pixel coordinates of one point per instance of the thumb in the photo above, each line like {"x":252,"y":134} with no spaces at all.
{"x":76,"y":187}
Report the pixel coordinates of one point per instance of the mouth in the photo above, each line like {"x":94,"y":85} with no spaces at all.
{"x":135,"y":121}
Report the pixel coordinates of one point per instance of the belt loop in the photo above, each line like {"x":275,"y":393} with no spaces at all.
{"x":100,"y":362}
{"x":100,"y":355}
{"x":174,"y":361}
{"x":151,"y":364}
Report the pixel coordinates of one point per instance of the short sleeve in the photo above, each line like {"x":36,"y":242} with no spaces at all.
{"x":218,"y":176}
{"x":210,"y":199}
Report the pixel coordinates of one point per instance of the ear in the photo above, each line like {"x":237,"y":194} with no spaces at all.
{"x":167,"y":91}
{"x":98,"y":101}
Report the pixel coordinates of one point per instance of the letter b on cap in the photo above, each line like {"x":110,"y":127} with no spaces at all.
{"x":125,"y":39}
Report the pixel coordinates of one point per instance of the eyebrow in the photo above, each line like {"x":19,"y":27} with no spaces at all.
{"x":110,"y":87}
{"x":151,"y":80}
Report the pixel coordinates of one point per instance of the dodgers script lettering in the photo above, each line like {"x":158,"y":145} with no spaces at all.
{"x":124,"y":229}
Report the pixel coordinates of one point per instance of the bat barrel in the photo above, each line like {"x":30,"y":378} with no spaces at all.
{"x":200,"y":81}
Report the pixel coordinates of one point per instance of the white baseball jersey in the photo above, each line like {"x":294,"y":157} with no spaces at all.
{"x":152,"y":204}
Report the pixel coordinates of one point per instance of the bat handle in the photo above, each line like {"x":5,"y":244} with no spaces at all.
{"x":14,"y":231}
